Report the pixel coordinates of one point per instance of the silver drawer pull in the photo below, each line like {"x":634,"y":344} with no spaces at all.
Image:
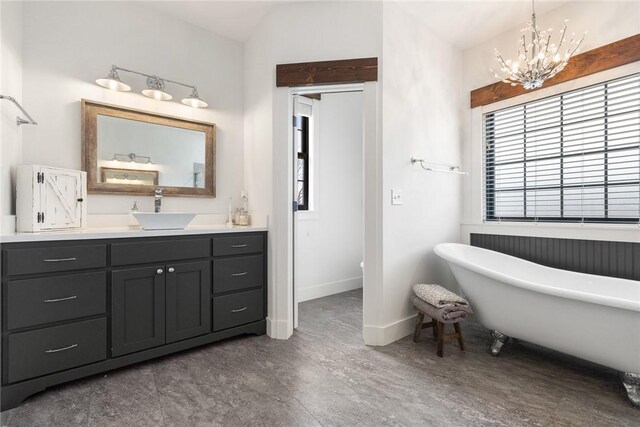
{"x":60,"y":259}
{"x":239,"y":246}
{"x":238,"y":310}
{"x":61,"y":299}
{"x":62,"y":349}
{"x":244,"y":273}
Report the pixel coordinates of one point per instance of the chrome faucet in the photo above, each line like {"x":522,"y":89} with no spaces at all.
{"x":158,"y":200}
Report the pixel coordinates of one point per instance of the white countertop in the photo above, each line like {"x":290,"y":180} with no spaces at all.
{"x":122,"y":233}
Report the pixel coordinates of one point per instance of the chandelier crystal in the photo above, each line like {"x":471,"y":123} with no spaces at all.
{"x":538,"y":59}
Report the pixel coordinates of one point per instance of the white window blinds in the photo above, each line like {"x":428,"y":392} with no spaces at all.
{"x":573,"y":157}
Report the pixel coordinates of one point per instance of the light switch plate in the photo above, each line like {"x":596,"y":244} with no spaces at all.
{"x":396,"y":197}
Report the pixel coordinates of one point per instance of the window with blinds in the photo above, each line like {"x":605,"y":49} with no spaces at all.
{"x":573,"y":157}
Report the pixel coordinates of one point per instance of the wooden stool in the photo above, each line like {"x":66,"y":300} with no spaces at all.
{"x":438,"y":333}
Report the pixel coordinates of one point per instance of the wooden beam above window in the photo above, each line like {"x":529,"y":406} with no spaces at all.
{"x":612,"y":55}
{"x":327,"y":72}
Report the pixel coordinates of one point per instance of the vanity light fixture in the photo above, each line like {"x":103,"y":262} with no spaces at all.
{"x":538,"y":59}
{"x":155,"y":87}
{"x":132,"y":158}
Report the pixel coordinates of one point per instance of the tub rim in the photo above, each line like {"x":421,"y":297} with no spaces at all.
{"x":589,"y":297}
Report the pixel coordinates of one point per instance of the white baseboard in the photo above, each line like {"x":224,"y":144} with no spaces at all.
{"x":384,"y":335}
{"x":331,"y":288}
{"x":277,"y":329}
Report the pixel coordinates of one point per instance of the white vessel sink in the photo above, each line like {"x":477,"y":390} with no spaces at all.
{"x":164,"y":220}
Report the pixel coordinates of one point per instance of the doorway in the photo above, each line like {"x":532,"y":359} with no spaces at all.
{"x":280,"y":323}
{"x":328,"y":223}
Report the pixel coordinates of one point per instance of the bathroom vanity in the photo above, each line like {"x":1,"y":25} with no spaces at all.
{"x":77,"y":304}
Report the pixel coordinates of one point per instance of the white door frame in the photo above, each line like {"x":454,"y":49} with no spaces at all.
{"x":343,"y":88}
{"x":283,"y":305}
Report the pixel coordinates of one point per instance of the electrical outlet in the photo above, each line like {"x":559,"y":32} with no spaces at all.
{"x":396,"y":197}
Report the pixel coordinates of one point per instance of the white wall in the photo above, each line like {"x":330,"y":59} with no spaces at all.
{"x":67,"y":45}
{"x":328,"y":247}
{"x":421,"y":118}
{"x":415,"y":108}
{"x":293,"y":33}
{"x":606,"y":22}
{"x":296,"y":33}
{"x":10,"y":85}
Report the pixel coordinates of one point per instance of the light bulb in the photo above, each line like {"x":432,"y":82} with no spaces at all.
{"x":155,"y":90}
{"x":194,"y":100}
{"x":113,"y":82}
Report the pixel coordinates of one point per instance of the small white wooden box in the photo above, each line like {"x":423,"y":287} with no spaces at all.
{"x":49,"y":198}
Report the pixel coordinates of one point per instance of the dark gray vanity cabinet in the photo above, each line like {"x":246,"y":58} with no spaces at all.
{"x":237,"y":308}
{"x":158,"y":304}
{"x":80,"y":307}
{"x":188,"y":307}
{"x":137,"y":309}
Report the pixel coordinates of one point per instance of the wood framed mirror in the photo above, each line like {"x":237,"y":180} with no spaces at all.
{"x":172,"y":153}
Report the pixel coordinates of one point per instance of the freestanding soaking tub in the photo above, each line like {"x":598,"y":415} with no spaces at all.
{"x":595,"y":318}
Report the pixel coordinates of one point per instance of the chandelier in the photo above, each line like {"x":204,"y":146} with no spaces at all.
{"x":538,"y":59}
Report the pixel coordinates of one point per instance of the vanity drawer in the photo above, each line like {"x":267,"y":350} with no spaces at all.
{"x":43,"y":351}
{"x":237,"y":245}
{"x":237,"y":309}
{"x":235,"y":274}
{"x":52,"y":299}
{"x":158,"y":251}
{"x":55,"y":258}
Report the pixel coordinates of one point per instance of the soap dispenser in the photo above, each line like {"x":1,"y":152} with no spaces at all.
{"x":242,"y":216}
{"x":133,"y":222}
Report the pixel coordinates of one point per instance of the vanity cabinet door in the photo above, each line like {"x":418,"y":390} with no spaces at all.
{"x":61,"y":198}
{"x":188,"y":300}
{"x":138,"y":309}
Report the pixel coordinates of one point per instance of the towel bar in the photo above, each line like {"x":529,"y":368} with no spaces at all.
{"x":451,"y":168}
{"x":20,"y":120}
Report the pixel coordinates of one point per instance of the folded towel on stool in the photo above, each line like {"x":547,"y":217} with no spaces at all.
{"x":447,"y":314}
{"x":438,"y":296}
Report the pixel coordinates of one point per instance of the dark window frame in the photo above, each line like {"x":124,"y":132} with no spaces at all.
{"x":303,"y":128}
{"x":490,"y":192}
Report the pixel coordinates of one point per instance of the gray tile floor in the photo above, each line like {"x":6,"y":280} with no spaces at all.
{"x":324,"y":375}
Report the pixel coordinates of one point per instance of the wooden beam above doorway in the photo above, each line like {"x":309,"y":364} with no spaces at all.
{"x":327,"y":72}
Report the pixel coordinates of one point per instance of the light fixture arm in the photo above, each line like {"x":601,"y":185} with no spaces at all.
{"x":534,"y":30}
{"x":181,"y":84}
{"x":20,"y":120}
{"x":149,"y":76}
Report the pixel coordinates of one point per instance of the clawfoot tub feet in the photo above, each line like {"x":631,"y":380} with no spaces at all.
{"x":499,"y":339}
{"x":632,"y":383}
